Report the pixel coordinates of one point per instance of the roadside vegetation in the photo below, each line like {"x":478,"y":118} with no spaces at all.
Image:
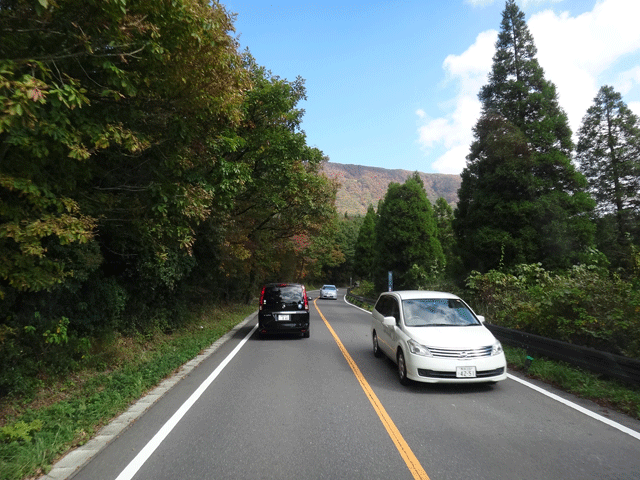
{"x":607,"y":393}
{"x":65,"y":412}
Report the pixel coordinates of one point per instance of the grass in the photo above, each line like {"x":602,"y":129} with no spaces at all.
{"x":606,"y":393}
{"x":67,"y":412}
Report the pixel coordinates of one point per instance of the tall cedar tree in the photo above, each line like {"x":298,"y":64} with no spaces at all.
{"x":366,"y":246}
{"x":609,"y":156}
{"x":521,"y":199}
{"x":406,"y":235}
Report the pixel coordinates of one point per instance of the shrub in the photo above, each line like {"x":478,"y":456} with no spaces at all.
{"x":365,"y":289}
{"x":581,"y":306}
{"x":45,"y":346}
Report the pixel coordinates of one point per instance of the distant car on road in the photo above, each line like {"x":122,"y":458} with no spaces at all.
{"x":284,"y":308}
{"x":435,"y":337}
{"x":329,"y":291}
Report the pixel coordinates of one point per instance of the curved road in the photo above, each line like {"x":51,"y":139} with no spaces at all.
{"x":325,"y":407}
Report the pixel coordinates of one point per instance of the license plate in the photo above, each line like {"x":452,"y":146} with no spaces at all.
{"x":465,"y":372}
{"x":286,"y":318}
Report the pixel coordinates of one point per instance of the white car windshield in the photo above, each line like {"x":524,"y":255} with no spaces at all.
{"x":437,"y":312}
{"x":329,"y":287}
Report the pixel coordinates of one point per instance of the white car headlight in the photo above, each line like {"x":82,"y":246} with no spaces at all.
{"x":496,"y":349}
{"x":417,"y":349}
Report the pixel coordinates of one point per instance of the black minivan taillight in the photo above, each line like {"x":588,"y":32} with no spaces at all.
{"x":306,"y":299}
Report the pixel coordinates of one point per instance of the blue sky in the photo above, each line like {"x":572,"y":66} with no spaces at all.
{"x":394,"y":84}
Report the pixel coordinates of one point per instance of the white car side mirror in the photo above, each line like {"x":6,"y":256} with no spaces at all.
{"x":388,"y":321}
{"x":481,"y":318}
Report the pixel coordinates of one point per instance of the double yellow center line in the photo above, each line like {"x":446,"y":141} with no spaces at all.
{"x":405,"y":451}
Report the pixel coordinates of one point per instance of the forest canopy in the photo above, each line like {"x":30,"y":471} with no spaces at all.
{"x":144,"y":160}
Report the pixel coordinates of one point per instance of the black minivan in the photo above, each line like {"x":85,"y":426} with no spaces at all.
{"x":284,"y":308}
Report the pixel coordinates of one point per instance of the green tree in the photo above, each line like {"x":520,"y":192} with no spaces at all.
{"x":521,"y":199}
{"x":329,"y":251}
{"x":281,"y":192}
{"x":406,"y":237}
{"x":111,"y":114}
{"x":608,"y":153}
{"x":496,"y":201}
{"x":443,"y":214}
{"x":142,"y":157}
{"x":346,"y":238}
{"x":365,"y":250}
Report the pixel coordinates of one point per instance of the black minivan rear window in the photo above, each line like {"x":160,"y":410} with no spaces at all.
{"x":283,"y":294}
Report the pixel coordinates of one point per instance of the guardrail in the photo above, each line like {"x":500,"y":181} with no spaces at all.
{"x":362,"y":299}
{"x":615,"y":366}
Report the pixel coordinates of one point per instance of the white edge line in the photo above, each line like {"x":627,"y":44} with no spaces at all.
{"x":580,"y":409}
{"x":557,"y":398}
{"x":157,"y":439}
{"x":355,"y":306}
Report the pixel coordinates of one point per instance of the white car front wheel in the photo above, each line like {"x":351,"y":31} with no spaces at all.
{"x":402,"y":369}
{"x":376,"y":348}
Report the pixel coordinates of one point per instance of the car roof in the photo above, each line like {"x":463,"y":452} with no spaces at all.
{"x":418,"y":294}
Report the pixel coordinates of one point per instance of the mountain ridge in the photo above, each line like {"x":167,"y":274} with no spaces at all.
{"x":361,"y":186}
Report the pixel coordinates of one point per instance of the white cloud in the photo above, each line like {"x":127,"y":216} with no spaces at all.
{"x":480,"y":3}
{"x":628,"y":80}
{"x":578,"y":54}
{"x":453,"y":161}
{"x":473,"y":65}
{"x":523,"y":3}
{"x":454,"y":131}
{"x":526,"y":3}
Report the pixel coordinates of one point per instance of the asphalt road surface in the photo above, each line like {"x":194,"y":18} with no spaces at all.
{"x":326,"y":408}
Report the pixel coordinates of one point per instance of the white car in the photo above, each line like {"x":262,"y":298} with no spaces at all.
{"x":435,"y":337}
{"x":329,"y":291}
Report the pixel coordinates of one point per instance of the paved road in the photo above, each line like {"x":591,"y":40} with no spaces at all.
{"x":324,"y":407}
